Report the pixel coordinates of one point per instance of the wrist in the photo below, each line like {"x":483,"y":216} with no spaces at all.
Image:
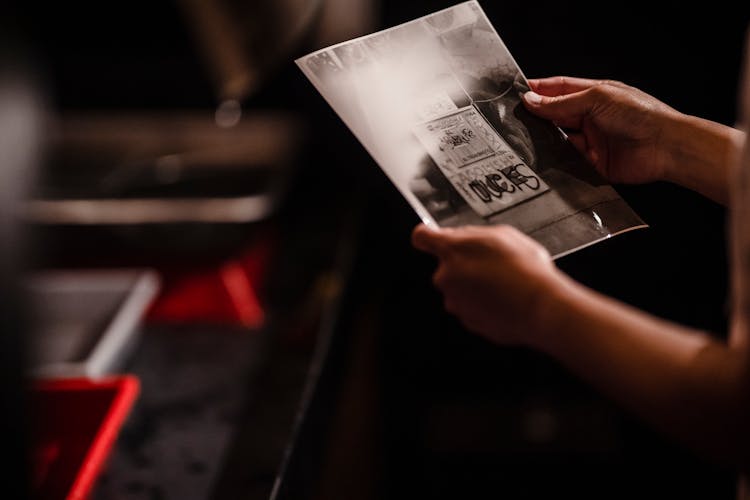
{"x":685,"y":141}
{"x":700,"y":153}
{"x":552,"y":309}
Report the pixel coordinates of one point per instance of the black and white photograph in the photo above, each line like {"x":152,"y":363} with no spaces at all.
{"x":437,"y":103}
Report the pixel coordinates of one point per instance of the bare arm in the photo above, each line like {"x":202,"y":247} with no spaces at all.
{"x":684,"y":382}
{"x":631,"y":137}
{"x":701,"y":152}
{"x":503,"y":286}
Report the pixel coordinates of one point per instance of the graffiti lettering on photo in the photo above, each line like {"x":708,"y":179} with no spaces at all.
{"x":520,"y":179}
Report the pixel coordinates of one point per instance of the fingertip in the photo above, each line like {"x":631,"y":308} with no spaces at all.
{"x":422,"y":227}
{"x":532,"y":98}
{"x":423,"y":237}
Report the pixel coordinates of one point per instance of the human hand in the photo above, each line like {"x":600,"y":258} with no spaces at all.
{"x":494,"y":279}
{"x":620,"y":129}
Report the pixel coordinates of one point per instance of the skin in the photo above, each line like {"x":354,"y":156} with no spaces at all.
{"x":684,"y":382}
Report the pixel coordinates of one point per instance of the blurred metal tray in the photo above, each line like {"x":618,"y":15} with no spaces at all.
{"x":132,"y":168}
{"x":86,"y":322}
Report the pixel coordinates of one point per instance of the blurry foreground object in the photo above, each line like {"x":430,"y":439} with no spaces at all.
{"x":244,"y":43}
{"x":175,"y":192}
{"x":21,"y":131}
{"x":222,"y":293}
{"x":124,"y":168}
{"x":148,"y":189}
{"x":71,"y":448}
{"x":87,"y":322}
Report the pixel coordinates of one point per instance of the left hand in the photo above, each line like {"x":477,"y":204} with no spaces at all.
{"x":495,"y":279}
{"x":625,"y":133}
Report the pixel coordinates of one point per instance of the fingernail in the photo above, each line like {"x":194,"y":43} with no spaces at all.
{"x":532,"y":97}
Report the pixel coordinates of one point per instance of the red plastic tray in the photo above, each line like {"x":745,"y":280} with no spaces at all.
{"x":74,"y":424}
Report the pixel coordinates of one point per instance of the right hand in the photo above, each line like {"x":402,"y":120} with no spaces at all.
{"x":619,"y":128}
{"x":496,"y":280}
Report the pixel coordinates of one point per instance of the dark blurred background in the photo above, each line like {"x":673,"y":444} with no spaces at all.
{"x":403,"y":402}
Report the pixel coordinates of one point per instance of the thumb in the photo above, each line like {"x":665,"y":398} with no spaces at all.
{"x":428,"y":239}
{"x":565,"y":111}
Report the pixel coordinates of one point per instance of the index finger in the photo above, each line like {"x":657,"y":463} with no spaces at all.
{"x":561,"y":85}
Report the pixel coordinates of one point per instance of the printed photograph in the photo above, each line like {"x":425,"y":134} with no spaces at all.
{"x":437,"y":103}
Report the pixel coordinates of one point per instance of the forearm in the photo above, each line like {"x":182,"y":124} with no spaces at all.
{"x":680,"y":380}
{"x":702,"y":153}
